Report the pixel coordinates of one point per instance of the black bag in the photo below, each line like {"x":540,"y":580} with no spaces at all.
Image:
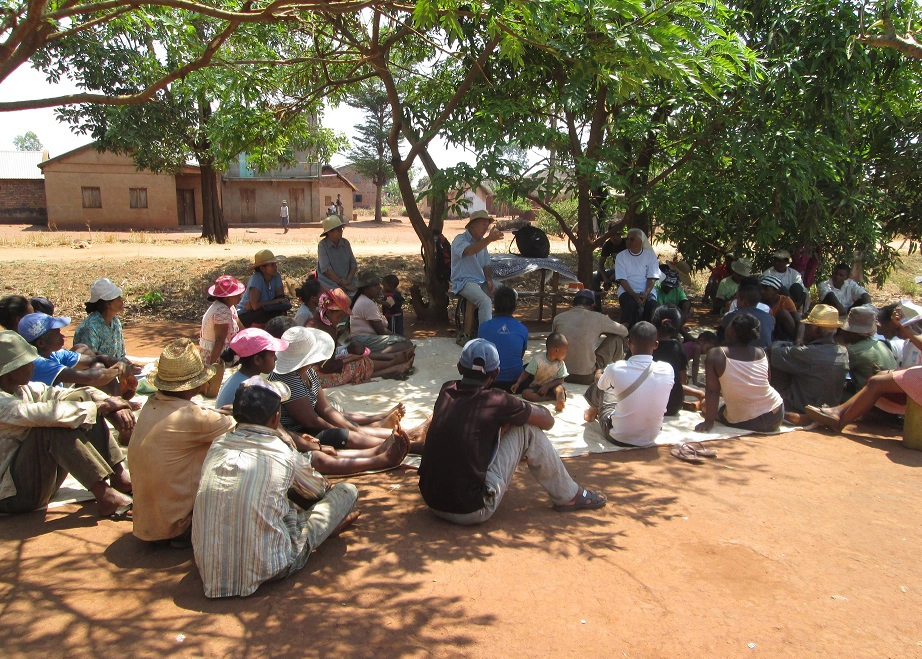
{"x":532,"y":242}
{"x":442,"y":257}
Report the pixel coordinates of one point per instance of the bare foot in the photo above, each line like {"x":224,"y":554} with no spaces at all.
{"x":591,"y":414}
{"x":561,"y":403}
{"x":346,"y":523}
{"x":121,"y":480}
{"x":399,"y":448}
{"x":418,"y":434}
{"x":111,"y":501}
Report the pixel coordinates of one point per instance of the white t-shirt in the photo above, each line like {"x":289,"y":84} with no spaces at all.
{"x":847,"y":295}
{"x":637,"y":269}
{"x":638,"y":418}
{"x":788,"y":278}
{"x":363,"y":311}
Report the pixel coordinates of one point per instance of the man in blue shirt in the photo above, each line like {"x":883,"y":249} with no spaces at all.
{"x":470,"y":263}
{"x":55,"y":366}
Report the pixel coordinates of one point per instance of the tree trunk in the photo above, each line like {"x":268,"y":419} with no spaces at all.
{"x":378,"y":195}
{"x":214,"y":227}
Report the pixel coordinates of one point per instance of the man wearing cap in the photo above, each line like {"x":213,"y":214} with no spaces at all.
{"x":781,"y":307}
{"x":265,"y":296}
{"x":56,"y":366}
{"x":866,"y":355}
{"x":814,"y":373}
{"x":336,"y":264}
{"x":477,"y":438}
{"x":169,"y":444}
{"x":595,"y":339}
{"x":670,"y":291}
{"x":726,"y":290}
{"x":841,"y":292}
{"x":48,"y":432}
{"x":283,"y":216}
{"x":792,"y":284}
{"x":470,"y":263}
{"x":261,"y":509}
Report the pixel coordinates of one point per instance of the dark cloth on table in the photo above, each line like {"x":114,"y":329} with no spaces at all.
{"x":461,"y":442}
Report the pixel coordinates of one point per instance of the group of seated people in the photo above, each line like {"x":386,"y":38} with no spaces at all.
{"x":253,"y":466}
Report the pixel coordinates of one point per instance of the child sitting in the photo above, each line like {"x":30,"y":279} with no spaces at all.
{"x":667,"y":320}
{"x":309,"y":294}
{"x":543,"y":376}
{"x":393,"y":304}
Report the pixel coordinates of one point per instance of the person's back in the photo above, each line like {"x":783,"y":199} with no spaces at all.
{"x":584,"y":329}
{"x":749,"y":295}
{"x":511,"y":339}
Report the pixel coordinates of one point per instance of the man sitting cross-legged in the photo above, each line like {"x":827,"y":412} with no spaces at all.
{"x":246,"y":530}
{"x":48,"y":432}
{"x":477,"y":438}
{"x":630,"y":398}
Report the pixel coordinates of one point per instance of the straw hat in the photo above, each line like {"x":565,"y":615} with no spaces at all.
{"x":861,"y":320}
{"x":14,"y":352}
{"x":331,"y":222}
{"x":226,"y":286}
{"x":306,"y":346}
{"x":742,"y":267}
{"x":263,"y":257}
{"x":823,"y":315}
{"x":180,"y":368}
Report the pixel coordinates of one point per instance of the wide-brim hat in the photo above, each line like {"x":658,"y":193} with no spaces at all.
{"x":15,"y":352}
{"x":782,"y":254}
{"x":306,"y":346}
{"x":823,"y":315}
{"x":367,"y":279}
{"x":742,"y":267}
{"x":264,"y":257}
{"x":861,"y":320}
{"x":104,"y":289}
{"x":331,"y":222}
{"x":253,"y":340}
{"x":478,"y":215}
{"x":180,"y":368}
{"x":33,"y":325}
{"x":336,"y":299}
{"x":226,"y":286}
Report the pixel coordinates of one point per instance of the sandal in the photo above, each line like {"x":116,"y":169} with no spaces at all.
{"x":822,"y":416}
{"x":585,"y":500}
{"x":699,"y":450}
{"x":122,"y":514}
{"x":686,"y":453}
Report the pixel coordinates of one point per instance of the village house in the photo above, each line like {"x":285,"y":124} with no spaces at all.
{"x":22,"y":189}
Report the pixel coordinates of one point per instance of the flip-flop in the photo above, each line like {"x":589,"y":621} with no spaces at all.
{"x":686,"y":453}
{"x":822,"y":416}
{"x":700,"y":450}
{"x":586,"y":500}
{"x":122,"y":514}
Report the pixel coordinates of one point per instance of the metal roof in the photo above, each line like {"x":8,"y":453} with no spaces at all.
{"x":20,"y":164}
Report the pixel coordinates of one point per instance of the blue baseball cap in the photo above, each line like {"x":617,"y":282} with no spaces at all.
{"x":484,"y":351}
{"x":33,"y":325}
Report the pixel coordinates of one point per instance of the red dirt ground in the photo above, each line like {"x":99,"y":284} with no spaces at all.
{"x":799,"y":545}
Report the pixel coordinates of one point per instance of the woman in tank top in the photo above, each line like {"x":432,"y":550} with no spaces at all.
{"x":740,"y":373}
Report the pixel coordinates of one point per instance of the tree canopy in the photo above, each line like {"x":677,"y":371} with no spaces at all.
{"x":28,"y":141}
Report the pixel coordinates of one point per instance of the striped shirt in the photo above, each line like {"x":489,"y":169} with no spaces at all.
{"x":299,"y":389}
{"x":245,"y":531}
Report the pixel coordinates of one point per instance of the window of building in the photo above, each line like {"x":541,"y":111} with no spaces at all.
{"x":329,"y":200}
{"x":91,"y":198}
{"x":137,"y":197}
{"x":358,"y":199}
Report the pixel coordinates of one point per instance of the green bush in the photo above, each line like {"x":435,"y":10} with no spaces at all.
{"x":548,"y":223}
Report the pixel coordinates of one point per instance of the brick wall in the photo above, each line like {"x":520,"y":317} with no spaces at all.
{"x":23,"y":200}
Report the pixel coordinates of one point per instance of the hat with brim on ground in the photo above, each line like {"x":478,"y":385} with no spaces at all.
{"x":331,"y":222}
{"x":482,"y":350}
{"x":823,"y":315}
{"x":280,"y":389}
{"x":742,"y":267}
{"x":180,"y":368}
{"x":15,"y":352}
{"x":33,"y":325}
{"x":252,"y":341}
{"x":861,"y":320}
{"x":104,"y":289}
{"x":226,"y":286}
{"x":478,"y":215}
{"x":782,"y":254}
{"x":367,"y":279}
{"x":771,"y":282}
{"x":264,"y":257}
{"x":306,"y":346}
{"x":336,"y":300}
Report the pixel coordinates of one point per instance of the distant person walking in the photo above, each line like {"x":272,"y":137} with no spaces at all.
{"x":283,"y":216}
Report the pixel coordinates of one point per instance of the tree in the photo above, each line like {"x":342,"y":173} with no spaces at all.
{"x":27,"y":142}
{"x":369,"y":154}
{"x":893,"y":27}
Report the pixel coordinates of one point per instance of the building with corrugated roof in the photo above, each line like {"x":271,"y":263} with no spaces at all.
{"x":22,"y":187}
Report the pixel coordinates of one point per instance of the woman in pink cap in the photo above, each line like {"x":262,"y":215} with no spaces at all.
{"x":255,"y":348}
{"x":220,"y":322}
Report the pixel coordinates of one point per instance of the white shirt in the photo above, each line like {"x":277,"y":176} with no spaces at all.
{"x":847,"y":295}
{"x":788,"y":278}
{"x":638,"y":418}
{"x":637,"y":269}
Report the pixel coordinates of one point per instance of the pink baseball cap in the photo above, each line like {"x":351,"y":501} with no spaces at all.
{"x":252,"y":341}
